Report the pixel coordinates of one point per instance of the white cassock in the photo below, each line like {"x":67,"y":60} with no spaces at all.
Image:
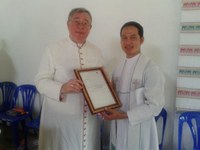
{"x":66,"y":125}
{"x":140,"y":87}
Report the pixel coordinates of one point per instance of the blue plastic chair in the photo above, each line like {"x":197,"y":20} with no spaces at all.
{"x":162,"y":114}
{"x":34,"y":125}
{"x":25,"y":93}
{"x":7,"y":90}
{"x":28,"y":93}
{"x":192,"y":119}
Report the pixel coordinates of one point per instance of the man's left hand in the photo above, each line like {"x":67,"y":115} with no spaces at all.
{"x":113,"y":114}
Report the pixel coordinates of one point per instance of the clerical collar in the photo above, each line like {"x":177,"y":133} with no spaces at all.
{"x":80,"y":45}
{"x":133,"y":58}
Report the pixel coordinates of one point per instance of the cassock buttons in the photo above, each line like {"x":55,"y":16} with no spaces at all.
{"x":81,"y":57}
{"x":84,"y":124}
{"x":85,"y":107}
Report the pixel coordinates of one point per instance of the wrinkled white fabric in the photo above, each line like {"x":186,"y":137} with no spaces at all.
{"x":139,"y":131}
{"x":61,"y":126}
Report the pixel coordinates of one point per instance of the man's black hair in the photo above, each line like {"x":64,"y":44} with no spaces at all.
{"x":133,"y":24}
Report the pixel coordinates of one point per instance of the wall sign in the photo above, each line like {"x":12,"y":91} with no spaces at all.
{"x":188,"y":93}
{"x":191,"y":27}
{"x":188,"y":70}
{"x":192,"y":4}
{"x":189,"y":50}
{"x":192,"y":72}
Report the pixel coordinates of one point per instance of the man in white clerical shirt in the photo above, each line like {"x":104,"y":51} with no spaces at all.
{"x":139,"y":84}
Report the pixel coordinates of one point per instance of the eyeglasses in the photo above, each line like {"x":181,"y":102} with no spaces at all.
{"x":81,"y":23}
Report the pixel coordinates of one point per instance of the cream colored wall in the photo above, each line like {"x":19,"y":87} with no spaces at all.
{"x":26,"y":27}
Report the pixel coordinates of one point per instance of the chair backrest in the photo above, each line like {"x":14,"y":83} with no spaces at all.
{"x":193,"y":121}
{"x":162,"y":114}
{"x":27,"y":93}
{"x":7,"y":90}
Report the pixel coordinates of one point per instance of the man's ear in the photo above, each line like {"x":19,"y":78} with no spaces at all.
{"x":142,"y":40}
{"x":67,"y":24}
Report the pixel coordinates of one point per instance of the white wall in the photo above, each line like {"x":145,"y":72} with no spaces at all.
{"x":26,"y":27}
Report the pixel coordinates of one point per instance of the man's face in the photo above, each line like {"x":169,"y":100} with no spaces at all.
{"x":79,"y":27}
{"x":131,"y":41}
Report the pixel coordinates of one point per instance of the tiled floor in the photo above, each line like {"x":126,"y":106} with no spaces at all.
{"x":6,"y":142}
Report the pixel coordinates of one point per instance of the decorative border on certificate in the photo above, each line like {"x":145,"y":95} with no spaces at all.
{"x":190,"y":27}
{"x":189,"y":50}
{"x":97,"y":89}
{"x":193,"y":72}
{"x":191,"y":5}
{"x":188,"y":93}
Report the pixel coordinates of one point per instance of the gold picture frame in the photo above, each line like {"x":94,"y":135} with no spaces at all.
{"x":97,"y":89}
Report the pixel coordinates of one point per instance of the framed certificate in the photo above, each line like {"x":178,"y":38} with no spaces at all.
{"x":97,"y":90}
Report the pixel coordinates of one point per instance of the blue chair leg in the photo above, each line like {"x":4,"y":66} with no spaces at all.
{"x":160,"y":146}
{"x":15,"y":134}
{"x":26,"y":136}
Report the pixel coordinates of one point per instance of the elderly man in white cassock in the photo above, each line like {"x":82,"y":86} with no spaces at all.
{"x":139,"y":84}
{"x":66,"y":122}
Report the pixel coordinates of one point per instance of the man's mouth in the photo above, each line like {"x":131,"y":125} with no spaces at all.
{"x":81,"y":33}
{"x":129,"y":47}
